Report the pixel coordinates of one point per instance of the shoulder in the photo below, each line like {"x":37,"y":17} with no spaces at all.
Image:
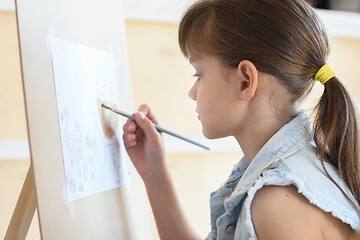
{"x":280,"y":212}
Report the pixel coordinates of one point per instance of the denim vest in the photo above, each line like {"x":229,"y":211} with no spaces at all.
{"x":288,"y":158}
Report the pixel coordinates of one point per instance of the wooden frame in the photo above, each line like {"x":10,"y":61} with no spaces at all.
{"x":24,"y":209}
{"x":107,"y":215}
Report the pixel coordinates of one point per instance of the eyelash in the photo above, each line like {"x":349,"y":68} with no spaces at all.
{"x":196,"y":75}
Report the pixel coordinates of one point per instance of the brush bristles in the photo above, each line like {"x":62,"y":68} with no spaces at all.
{"x":104,"y":106}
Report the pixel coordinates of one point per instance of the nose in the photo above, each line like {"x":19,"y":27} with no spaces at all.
{"x":193,"y":91}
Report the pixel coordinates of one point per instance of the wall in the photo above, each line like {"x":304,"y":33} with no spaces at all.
{"x":11,"y":97}
{"x":161,"y":78}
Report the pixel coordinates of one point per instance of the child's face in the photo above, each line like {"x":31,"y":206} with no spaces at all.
{"x":214,"y":91}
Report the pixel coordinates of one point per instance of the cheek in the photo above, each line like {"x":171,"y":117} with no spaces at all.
{"x":210,"y":100}
{"x":214,"y":109}
{"x":203,"y":101}
{"x":209,"y":115}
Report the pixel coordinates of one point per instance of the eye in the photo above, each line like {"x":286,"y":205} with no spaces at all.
{"x":197,"y":76}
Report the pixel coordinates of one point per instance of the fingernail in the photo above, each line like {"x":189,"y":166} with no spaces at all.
{"x":141,"y":115}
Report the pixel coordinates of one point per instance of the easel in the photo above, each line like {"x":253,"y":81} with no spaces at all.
{"x":24,"y":209}
{"x":113,"y":212}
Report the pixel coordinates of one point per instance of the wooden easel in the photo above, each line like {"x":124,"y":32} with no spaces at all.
{"x":24,"y":209}
{"x":107,"y":215}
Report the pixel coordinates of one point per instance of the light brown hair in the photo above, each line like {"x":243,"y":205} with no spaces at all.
{"x":284,"y":38}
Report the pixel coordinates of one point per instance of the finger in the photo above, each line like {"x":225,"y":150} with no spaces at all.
{"x":129,"y":126}
{"x":129,"y":144}
{"x":148,"y":113}
{"x":139,"y":134}
{"x":129,"y":133}
{"x":131,"y":137}
{"x":146,"y":125}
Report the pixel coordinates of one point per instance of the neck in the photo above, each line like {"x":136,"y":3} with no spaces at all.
{"x":254,"y":137}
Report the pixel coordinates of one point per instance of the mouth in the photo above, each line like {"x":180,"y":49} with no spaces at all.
{"x":197,"y":114}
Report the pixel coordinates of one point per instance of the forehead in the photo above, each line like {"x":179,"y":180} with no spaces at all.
{"x":197,"y":56}
{"x":193,"y":59}
{"x":204,"y":60}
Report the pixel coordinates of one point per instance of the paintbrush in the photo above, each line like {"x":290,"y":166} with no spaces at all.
{"x":158,"y":128}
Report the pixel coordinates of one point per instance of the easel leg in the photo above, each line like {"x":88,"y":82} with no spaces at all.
{"x":24,"y":210}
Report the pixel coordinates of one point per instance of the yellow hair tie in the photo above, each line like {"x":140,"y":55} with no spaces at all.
{"x":324,"y":74}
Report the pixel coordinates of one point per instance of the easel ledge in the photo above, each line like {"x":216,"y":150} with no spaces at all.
{"x":24,"y":209}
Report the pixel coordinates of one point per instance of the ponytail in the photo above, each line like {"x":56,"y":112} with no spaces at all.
{"x":336,"y":135}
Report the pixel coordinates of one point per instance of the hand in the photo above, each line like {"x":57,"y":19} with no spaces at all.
{"x":144,"y":143}
{"x":146,"y":150}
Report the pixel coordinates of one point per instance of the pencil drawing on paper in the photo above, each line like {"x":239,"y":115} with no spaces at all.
{"x":93,"y":159}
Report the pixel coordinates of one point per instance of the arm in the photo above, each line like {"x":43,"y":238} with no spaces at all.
{"x":146,"y":150}
{"x":280,"y":212}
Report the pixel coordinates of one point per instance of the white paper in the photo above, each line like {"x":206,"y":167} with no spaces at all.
{"x":93,"y":162}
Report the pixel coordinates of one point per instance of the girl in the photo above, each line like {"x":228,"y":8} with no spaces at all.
{"x":254,"y":61}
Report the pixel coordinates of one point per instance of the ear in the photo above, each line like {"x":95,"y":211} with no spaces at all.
{"x":248,"y":79}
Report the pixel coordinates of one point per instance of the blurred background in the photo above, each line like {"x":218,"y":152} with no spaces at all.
{"x":341,"y":5}
{"x":161,"y":78}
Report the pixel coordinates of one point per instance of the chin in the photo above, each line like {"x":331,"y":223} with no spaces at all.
{"x":211,"y":135}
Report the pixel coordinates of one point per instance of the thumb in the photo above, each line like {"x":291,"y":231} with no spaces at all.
{"x":145,"y":124}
